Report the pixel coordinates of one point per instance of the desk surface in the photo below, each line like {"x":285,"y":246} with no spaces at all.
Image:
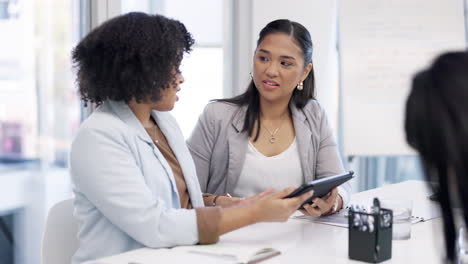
{"x":303,"y":241}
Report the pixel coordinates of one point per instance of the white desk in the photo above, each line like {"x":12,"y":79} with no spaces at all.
{"x":306,"y":242}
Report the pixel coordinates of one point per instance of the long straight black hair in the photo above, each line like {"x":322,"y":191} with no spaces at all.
{"x":251,"y":96}
{"x":437,"y":127}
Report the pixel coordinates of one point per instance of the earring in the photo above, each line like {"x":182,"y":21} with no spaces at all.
{"x":251,"y":76}
{"x":300,"y":86}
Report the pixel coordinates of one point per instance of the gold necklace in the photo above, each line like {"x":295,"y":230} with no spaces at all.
{"x":272,"y":137}
{"x":153,"y":132}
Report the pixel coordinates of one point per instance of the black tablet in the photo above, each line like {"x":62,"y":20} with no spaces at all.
{"x":321,"y":186}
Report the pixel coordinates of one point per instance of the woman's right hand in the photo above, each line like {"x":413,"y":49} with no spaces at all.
{"x":274,"y":208}
{"x":231,"y":202}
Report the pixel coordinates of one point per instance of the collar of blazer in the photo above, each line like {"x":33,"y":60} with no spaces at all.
{"x":174,"y":137}
{"x":128,"y":117}
{"x":239,"y":116}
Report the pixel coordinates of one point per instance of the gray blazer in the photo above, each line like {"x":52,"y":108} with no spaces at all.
{"x":125,"y":192}
{"x":218,"y":146}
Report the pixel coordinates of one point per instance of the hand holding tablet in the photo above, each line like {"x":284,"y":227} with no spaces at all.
{"x":321,"y":186}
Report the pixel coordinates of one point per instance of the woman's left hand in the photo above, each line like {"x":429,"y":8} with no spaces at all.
{"x":324,"y":205}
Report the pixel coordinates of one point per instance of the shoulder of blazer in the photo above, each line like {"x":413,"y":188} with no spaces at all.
{"x":113,"y":127}
{"x":221,"y":110}
{"x":225,"y":113}
{"x":313,"y":109}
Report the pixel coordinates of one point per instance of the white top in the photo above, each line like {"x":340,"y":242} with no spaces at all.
{"x":261,"y":172}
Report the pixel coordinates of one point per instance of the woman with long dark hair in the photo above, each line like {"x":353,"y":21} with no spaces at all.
{"x":437,"y":127}
{"x":275,"y":134}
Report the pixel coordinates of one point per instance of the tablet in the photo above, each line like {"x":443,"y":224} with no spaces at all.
{"x":321,"y":186}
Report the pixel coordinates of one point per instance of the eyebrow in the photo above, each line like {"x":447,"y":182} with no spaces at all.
{"x":282,"y":56}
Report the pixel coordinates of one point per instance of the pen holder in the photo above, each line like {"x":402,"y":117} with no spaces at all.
{"x":370,"y":233}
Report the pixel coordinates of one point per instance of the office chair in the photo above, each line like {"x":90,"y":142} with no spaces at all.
{"x":60,"y":240}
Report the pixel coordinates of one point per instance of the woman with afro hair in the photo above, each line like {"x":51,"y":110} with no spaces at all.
{"x":135,"y":182}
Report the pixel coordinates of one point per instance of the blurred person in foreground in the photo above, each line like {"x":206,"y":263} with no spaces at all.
{"x":437,"y":128}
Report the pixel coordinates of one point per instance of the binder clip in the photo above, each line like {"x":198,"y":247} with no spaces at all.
{"x":370,"y":233}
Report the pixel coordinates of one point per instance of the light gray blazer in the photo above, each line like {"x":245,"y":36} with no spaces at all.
{"x":218,"y":146}
{"x":125,"y":192}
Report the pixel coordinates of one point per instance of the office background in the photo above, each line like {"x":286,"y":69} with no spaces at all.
{"x":40,"y":111}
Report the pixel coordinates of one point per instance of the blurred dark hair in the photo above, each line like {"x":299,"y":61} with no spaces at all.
{"x":130,"y":56}
{"x":437,"y":127}
{"x":300,"y":98}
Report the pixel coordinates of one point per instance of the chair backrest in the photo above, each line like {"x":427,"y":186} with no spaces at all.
{"x":60,"y":236}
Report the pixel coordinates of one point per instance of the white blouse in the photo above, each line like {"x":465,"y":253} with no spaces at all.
{"x":261,"y":172}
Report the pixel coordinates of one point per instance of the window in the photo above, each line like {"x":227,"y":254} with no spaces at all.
{"x":39,"y":115}
{"x":39,"y":107}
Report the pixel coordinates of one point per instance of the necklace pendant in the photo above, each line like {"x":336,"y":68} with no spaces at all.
{"x":272,"y":139}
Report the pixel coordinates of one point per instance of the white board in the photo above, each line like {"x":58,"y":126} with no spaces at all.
{"x":383,"y":43}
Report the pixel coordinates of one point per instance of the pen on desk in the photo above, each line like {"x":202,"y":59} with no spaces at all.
{"x":212,"y":254}
{"x":263,"y":256}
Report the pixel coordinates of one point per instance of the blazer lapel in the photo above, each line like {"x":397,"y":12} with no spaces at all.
{"x":237,"y":146}
{"x":304,"y":141}
{"x":175,"y":139}
{"x":125,"y":114}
